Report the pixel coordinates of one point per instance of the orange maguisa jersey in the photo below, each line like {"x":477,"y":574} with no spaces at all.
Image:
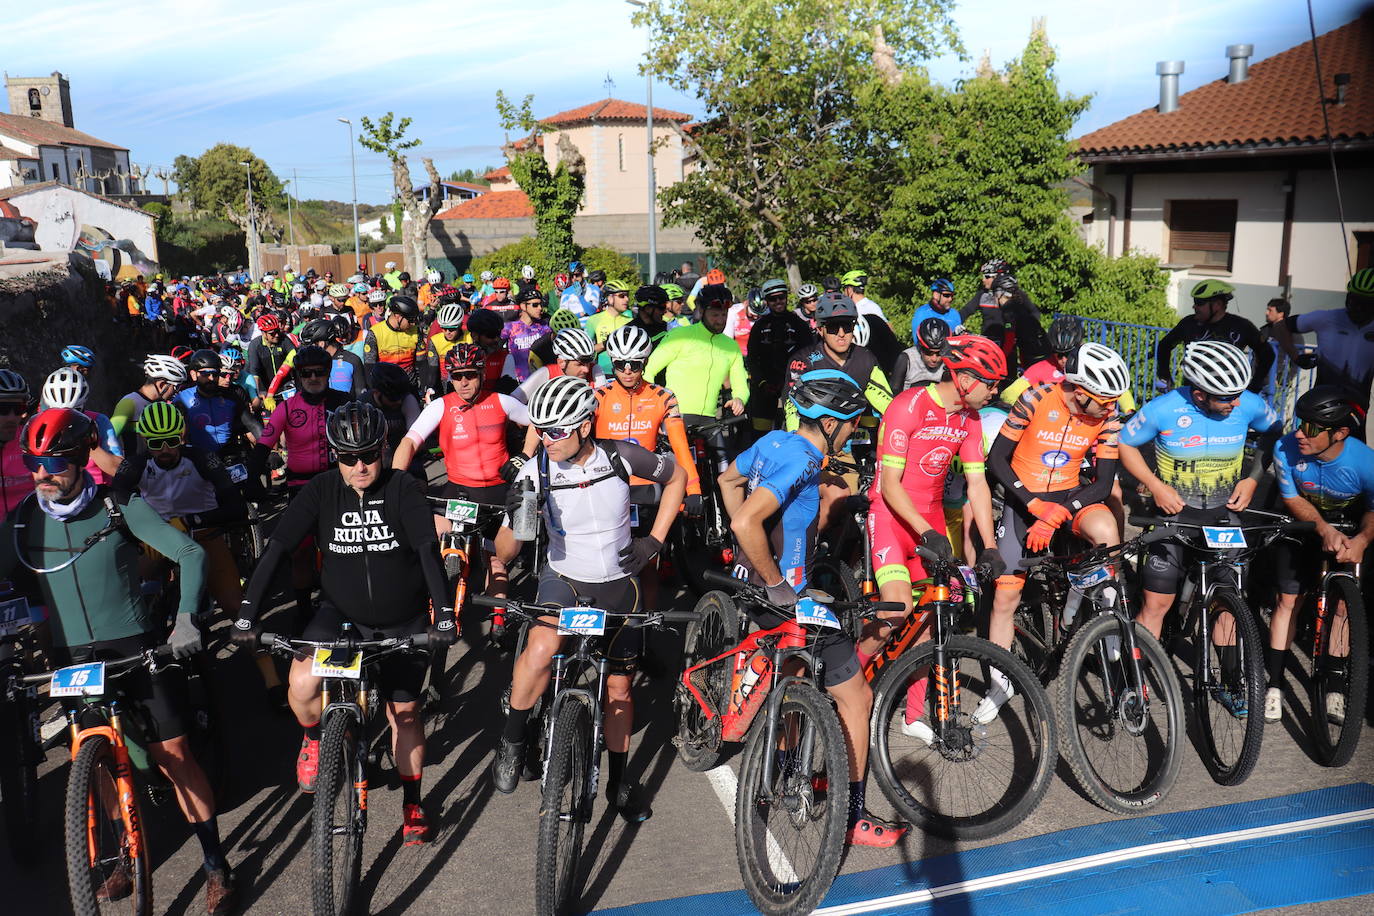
{"x":1052,"y":441}
{"x":638,"y":416}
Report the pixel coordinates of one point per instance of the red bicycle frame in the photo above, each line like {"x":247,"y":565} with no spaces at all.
{"x":745,"y":701}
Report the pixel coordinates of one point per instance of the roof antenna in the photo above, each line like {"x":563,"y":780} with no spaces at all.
{"x":609,"y":84}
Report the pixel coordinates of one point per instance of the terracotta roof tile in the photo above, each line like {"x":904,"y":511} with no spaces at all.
{"x":47,"y":133}
{"x":492,"y":205}
{"x":612,"y":110}
{"x":501,"y":174}
{"x":1276,"y":104}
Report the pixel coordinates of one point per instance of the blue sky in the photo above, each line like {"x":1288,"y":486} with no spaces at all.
{"x":164,"y":77}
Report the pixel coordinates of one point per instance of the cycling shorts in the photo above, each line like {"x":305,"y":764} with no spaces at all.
{"x":622,"y":644}
{"x":400,"y":676}
{"x":838,"y":654}
{"x":156,"y":703}
{"x":894,"y":549}
{"x":487,"y":496}
{"x":1296,"y":566}
{"x":1014,"y":526}
{"x":1164,"y":559}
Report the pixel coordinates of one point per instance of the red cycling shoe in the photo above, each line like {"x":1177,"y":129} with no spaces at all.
{"x":308,"y":765}
{"x":874,"y":832}
{"x":414,"y":826}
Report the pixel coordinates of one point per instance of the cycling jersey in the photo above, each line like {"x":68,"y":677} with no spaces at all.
{"x":640,"y":416}
{"x":1342,"y":486}
{"x":948,"y":316}
{"x":600,"y":325}
{"x":107,"y":440}
{"x":519,"y":337}
{"x":263,"y":359}
{"x":738,"y":324}
{"x":1051,"y":440}
{"x":16,"y":481}
{"x":126,"y":414}
{"x":1232,"y":329}
{"x":1345,"y":350}
{"x":387,"y":345}
{"x":911,"y":371}
{"x":211,"y":421}
{"x":860,"y":365}
{"x":472,"y":435}
{"x":1200,"y":456}
{"x":300,"y":425}
{"x":790,"y":468}
{"x":772,"y":339}
{"x":346,"y":374}
{"x":197,"y":485}
{"x":697,"y":365}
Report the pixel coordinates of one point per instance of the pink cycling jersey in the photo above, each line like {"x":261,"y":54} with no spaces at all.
{"x":15,"y":480}
{"x":301,"y":426}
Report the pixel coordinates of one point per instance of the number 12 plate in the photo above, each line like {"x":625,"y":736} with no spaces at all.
{"x":587,"y":621}
{"x":86,"y":680}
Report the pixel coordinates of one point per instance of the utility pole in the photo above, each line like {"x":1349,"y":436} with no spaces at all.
{"x":291,"y":224}
{"x":353,"y":158}
{"x":649,"y":138}
{"x":254,"y":265}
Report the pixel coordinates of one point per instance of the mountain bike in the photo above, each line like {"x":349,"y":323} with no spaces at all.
{"x":789,"y":824}
{"x":464,"y":550}
{"x":1227,"y":650}
{"x":985,"y":756}
{"x":21,"y":745}
{"x":348,"y":711}
{"x":573,"y":739}
{"x":706,"y":543}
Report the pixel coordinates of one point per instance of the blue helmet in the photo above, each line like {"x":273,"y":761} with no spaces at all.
{"x":77,"y":355}
{"x":469,"y":278}
{"x":941,"y":286}
{"x":827,"y":393}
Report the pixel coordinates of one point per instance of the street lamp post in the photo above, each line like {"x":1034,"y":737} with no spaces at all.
{"x":353,"y":158}
{"x":254,"y":265}
{"x":649,"y":133}
{"x":290,"y":221}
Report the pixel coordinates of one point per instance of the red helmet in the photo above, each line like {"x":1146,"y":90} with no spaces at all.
{"x":500,"y":283}
{"x":977,"y":355}
{"x":562,"y":282}
{"x":182,"y":354}
{"x":268,"y":322}
{"x":58,"y":431}
{"x":464,"y":358}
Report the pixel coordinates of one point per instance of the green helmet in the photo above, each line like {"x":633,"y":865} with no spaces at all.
{"x":1212,"y":289}
{"x":855,"y":278}
{"x":160,"y":420}
{"x":1362,"y":283}
{"x":673,"y":290}
{"x":563,"y":319}
{"x":614,"y":286}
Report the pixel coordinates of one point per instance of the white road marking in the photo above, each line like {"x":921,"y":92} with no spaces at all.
{"x":726,"y":786}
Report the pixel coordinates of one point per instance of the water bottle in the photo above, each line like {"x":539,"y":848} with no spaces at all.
{"x":1071,"y":604}
{"x":525,"y":522}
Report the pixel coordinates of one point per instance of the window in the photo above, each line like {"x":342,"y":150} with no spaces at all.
{"x":1364,"y":250}
{"x":56,"y":175}
{"x":620,"y":149}
{"x":35,"y":100}
{"x":1202,"y":233}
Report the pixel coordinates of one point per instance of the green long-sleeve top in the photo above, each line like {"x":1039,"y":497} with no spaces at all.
{"x":698,"y":363}
{"x":98,"y":597}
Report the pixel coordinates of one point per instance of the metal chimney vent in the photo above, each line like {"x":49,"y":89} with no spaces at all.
{"x":1168,"y":71}
{"x":1240,"y":62}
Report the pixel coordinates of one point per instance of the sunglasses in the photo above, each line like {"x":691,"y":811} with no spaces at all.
{"x":465,"y":376}
{"x":210,"y":373}
{"x":557,"y":433}
{"x":12,"y":410}
{"x":1312,"y":429}
{"x":989,"y":276}
{"x":53,"y":464}
{"x":839,"y":326}
{"x":311,"y":373}
{"x":775,"y":297}
{"x":628,"y":365}
{"x":159,"y":443}
{"x":1103,"y":402}
{"x":348,"y":459}
{"x":584,"y":360}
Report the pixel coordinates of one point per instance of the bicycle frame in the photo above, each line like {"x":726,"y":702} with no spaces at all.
{"x":779,"y":643}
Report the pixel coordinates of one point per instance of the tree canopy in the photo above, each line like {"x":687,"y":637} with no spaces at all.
{"x":217,"y":178}
{"x":554,"y":194}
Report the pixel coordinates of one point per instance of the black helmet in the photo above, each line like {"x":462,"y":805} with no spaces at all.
{"x":343,"y":328}
{"x":1066,"y":334}
{"x":312,"y":356}
{"x":651,"y":295}
{"x":596,"y":276}
{"x":932,"y":334}
{"x":356,"y":427}
{"x":1005,"y":283}
{"x":317,"y":331}
{"x":830,"y":284}
{"x":1326,"y":405}
{"x":203,"y":359}
{"x":485,"y":322}
{"x":715,"y":294}
{"x":388,"y":378}
{"x":406,"y":307}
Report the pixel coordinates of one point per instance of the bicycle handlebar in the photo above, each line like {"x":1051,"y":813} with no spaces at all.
{"x":533,"y":612}
{"x":113,"y":666}
{"x":1293,"y":526}
{"x":733,"y":585}
{"x":722,"y":423}
{"x":277,"y":641}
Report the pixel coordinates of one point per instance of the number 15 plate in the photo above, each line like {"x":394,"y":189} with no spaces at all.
{"x":588,"y":621}
{"x":78,"y":680}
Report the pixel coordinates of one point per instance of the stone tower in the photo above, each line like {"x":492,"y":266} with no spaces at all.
{"x":46,"y":97}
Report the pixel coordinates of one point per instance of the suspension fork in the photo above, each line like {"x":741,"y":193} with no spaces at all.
{"x":772,"y":713}
{"x":946,"y":677}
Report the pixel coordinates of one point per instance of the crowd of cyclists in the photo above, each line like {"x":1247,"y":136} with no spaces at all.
{"x":572,"y":409}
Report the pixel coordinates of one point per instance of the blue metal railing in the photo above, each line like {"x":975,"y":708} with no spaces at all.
{"x":1137,"y":344}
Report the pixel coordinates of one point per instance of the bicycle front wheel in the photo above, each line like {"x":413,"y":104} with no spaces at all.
{"x":564,"y":812}
{"x":1338,"y":685}
{"x":1121,"y":737}
{"x":108,"y":864}
{"x":713,"y":632}
{"x":988,"y":765}
{"x":339,"y":818}
{"x":19,"y":779}
{"x":789,"y":833}
{"x":1228,"y":689}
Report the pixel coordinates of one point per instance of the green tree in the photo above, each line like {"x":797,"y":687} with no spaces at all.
{"x":507,"y":260}
{"x":555,"y":195}
{"x":217,"y":184}
{"x":785,"y":178}
{"x":471,"y":176}
{"x":383,"y":137}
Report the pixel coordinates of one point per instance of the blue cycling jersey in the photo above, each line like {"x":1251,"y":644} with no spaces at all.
{"x":950,"y":317}
{"x":1199,"y":455}
{"x":1334,"y":486}
{"x":209,"y":421}
{"x":789,"y":467}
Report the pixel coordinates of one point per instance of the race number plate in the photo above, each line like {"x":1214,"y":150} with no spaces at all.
{"x":970,"y":579}
{"x":320,"y":666}
{"x":86,"y":680}
{"x":237,"y":473}
{"x":14,"y":613}
{"x":587,"y":621}
{"x":1085,"y":581}
{"x":1222,"y":538}
{"x":285,"y":393}
{"x":634,"y":515}
{"x":461,"y":511}
{"x":812,"y":613}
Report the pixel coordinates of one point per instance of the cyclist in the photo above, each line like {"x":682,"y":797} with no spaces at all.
{"x":807,"y":297}
{"x":1211,"y":321}
{"x":1199,"y":434}
{"x":583,"y":488}
{"x":838,"y":315}
{"x":215,"y":416}
{"x":484,"y":330}
{"x":80,"y":358}
{"x":925,"y":361}
{"x":853,"y":284}
{"x":15,"y":480}
{"x":162,"y":377}
{"x":772,"y":339}
{"x":615,"y":313}
{"x":450,"y":321}
{"x":772,"y":494}
{"x":96,"y":610}
{"x":520,"y":335}
{"x":499,"y":298}
{"x":390,"y":391}
{"x":67,"y":387}
{"x":699,"y":359}
{"x":940,"y":306}
{"x":397,"y":339}
{"x":676,"y":314}
{"x":651,"y":305}
{"x":346,"y":373}
{"x":1325,"y":475}
{"x":1038,"y":457}
{"x":374,"y":531}
{"x":1345,"y":339}
{"x":267,"y":353}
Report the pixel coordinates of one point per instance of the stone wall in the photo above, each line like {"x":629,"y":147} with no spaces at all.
{"x":460,"y":240}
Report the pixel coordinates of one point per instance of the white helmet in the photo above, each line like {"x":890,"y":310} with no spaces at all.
{"x":450,"y":316}
{"x":527,"y":272}
{"x":390,"y":265}
{"x":573,"y":343}
{"x":562,"y":401}
{"x":230,"y":315}
{"x":167,"y":368}
{"x":629,"y":342}
{"x":433,"y":277}
{"x":486,"y":276}
{"x":298,"y":288}
{"x":66,"y":388}
{"x":1098,"y":369}
{"x":861,"y":331}
{"x":1217,"y":368}
{"x":226,"y":362}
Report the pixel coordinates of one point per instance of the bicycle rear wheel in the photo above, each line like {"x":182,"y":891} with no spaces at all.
{"x":564,"y":812}
{"x":715,"y":630}
{"x":1122,"y":740}
{"x":339,"y":818}
{"x":105,"y":857}
{"x":984,"y":771}
{"x":1228,"y":689}
{"x":1335,"y":738}
{"x":789,"y":835}
{"x":19,"y":779}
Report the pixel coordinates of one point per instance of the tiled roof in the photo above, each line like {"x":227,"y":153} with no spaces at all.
{"x":501,"y":174}
{"x":22,"y":189}
{"x":612,"y":110}
{"x":7,"y":153}
{"x":48,"y":133}
{"x":1276,"y":105}
{"x":492,"y":205}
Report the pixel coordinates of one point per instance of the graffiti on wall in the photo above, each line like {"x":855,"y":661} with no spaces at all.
{"x":122,"y":255}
